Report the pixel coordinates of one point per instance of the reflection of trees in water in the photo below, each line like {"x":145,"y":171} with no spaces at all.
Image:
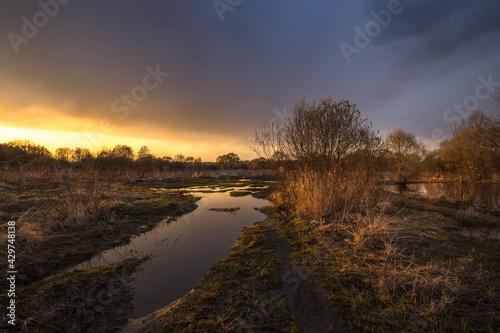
{"x":480,"y":195}
{"x":401,"y":188}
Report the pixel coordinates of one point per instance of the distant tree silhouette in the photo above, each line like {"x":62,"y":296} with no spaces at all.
{"x":144,"y":152}
{"x":123,"y":151}
{"x":179,"y":158}
{"x":30,"y":148}
{"x":63,"y":154}
{"x":9,"y":153}
{"x":228,"y":161}
{"x":79,"y":154}
{"x":406,"y":152}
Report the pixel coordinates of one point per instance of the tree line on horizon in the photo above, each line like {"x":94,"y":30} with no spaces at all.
{"x":29,"y":155}
{"x":329,"y":136}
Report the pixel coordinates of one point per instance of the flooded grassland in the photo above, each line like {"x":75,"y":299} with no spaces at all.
{"x":66,"y":223}
{"x":185,"y":255}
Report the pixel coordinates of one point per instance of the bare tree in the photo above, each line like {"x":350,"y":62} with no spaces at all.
{"x":483,"y":129}
{"x":63,"y":154}
{"x":405,"y":150}
{"x":474,"y":151}
{"x":179,"y":158}
{"x":123,"y":151}
{"x":318,"y":136}
{"x":319,"y":151}
{"x":144,"y":152}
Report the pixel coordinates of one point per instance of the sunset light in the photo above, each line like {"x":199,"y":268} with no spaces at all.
{"x":94,"y":141}
{"x":250,"y":166}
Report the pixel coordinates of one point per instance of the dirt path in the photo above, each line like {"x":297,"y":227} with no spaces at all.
{"x":304,"y":294}
{"x":299,"y":285}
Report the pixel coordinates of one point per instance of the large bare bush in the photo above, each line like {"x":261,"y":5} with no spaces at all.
{"x":325,"y":154}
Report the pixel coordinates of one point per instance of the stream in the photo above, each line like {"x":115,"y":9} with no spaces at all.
{"x":182,"y":250}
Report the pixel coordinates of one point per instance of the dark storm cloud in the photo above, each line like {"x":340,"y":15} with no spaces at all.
{"x":226,"y":77}
{"x":442,"y":27}
{"x":427,"y":59}
{"x":95,"y":51}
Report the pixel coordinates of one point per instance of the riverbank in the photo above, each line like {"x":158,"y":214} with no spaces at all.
{"x":92,"y":300}
{"x":64,"y":223}
{"x":257,"y":287}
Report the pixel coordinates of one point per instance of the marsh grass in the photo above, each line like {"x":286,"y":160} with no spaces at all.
{"x":321,"y":196}
{"x":396,"y":269}
{"x":71,"y":204}
{"x":93,"y":300}
{"x":50,"y":170}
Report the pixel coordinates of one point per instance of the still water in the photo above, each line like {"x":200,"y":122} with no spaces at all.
{"x":481,"y":196}
{"x":182,"y":250}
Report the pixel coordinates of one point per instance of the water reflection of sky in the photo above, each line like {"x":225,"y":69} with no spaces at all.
{"x":482,"y":195}
{"x":183,"y":250}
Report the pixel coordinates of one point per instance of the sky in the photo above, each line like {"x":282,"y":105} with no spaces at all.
{"x":198,"y":77}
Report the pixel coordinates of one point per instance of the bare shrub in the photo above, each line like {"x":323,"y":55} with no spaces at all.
{"x":325,"y":155}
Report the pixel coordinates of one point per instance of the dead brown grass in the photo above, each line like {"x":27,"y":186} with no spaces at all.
{"x":320,"y":196}
{"x":71,"y":204}
{"x":397,"y":269}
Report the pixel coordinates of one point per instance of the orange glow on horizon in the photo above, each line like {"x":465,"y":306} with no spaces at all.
{"x":57,"y":139}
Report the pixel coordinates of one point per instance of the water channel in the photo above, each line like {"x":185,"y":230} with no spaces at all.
{"x":181,"y":251}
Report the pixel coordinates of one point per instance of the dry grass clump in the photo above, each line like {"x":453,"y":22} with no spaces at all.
{"x":371,"y":234}
{"x":317,"y":196}
{"x":70,"y":204}
{"x":31,"y":234}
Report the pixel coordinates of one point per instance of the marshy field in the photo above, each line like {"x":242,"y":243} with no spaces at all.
{"x":332,"y":229}
{"x":249,"y":166}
